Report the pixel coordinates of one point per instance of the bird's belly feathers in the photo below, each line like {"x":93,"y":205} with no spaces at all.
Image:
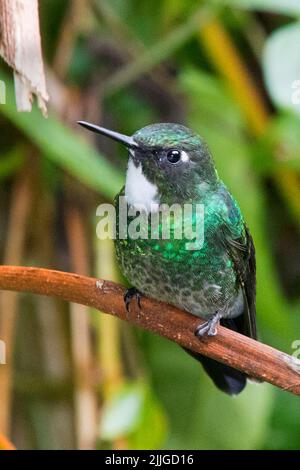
{"x":196,"y":281}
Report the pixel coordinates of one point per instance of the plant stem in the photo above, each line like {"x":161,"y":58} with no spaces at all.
{"x":158,"y":52}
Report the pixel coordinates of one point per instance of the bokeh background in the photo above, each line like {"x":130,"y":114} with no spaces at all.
{"x":231,"y":71}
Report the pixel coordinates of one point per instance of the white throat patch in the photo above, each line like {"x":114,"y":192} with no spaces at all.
{"x":139,"y":192}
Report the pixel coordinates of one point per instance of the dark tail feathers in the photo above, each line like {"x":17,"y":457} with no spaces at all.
{"x":227,"y":379}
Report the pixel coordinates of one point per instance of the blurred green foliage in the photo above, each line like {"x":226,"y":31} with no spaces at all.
{"x":133,"y":63}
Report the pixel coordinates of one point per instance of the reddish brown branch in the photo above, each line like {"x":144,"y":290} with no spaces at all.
{"x":256,"y":359}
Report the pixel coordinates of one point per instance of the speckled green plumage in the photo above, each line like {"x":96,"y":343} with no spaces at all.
{"x":199,"y":281}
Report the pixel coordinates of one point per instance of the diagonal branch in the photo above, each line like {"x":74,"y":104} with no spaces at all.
{"x":252,"y":357}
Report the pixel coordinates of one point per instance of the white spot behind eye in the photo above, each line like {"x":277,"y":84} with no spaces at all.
{"x":184,"y":156}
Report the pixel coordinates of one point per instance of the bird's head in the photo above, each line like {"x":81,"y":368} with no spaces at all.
{"x":166,"y":161}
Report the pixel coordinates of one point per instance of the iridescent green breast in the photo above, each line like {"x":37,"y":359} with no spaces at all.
{"x":198,"y":280}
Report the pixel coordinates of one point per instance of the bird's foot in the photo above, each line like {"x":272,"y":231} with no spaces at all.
{"x":130,"y":294}
{"x":209,"y":328}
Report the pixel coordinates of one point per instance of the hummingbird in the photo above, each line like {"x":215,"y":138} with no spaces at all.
{"x":171,"y":164}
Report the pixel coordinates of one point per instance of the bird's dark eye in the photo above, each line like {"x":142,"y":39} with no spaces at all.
{"x":173,"y":156}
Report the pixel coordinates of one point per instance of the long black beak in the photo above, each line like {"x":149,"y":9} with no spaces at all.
{"x":124,"y":139}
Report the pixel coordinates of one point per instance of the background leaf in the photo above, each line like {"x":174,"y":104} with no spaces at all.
{"x":64,"y":147}
{"x":287,"y":7}
{"x":281,"y":66}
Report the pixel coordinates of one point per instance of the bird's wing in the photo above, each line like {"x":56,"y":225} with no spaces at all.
{"x":242,"y":253}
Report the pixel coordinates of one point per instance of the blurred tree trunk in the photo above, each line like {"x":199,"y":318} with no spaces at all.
{"x":20,"y":47}
{"x":14,"y":252}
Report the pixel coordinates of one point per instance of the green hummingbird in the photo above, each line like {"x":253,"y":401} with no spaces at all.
{"x":170,"y":164}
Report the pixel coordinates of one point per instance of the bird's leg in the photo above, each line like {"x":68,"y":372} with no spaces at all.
{"x":209,"y":327}
{"x":129,"y":295}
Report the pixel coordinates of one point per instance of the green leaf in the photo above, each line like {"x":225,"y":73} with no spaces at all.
{"x":11,"y":162}
{"x":152,"y":430}
{"x":132,"y":412}
{"x":121,"y":413}
{"x":283,"y":432}
{"x":286,"y":7}
{"x":282,"y":141}
{"x":281,"y":66}
{"x":66,"y":148}
{"x":233,"y":423}
{"x":201,"y":416}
